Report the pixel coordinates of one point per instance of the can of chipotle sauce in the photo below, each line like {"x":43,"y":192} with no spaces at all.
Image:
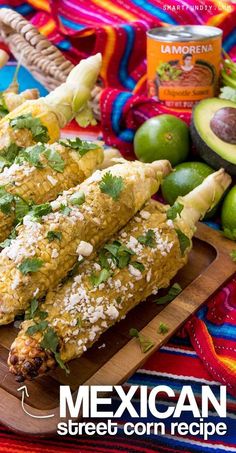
{"x":183,"y":64}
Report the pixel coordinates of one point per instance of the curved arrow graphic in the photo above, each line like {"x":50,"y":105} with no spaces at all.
{"x":25,"y":392}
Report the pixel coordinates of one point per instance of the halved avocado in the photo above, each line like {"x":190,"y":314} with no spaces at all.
{"x":213,"y":131}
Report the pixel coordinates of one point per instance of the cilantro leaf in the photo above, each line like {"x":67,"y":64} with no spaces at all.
{"x":78,"y":145}
{"x":3,"y":107}
{"x":184,"y":241}
{"x":172,"y":293}
{"x":29,"y":314}
{"x":27,"y":121}
{"x":50,"y":341}
{"x":30,"y":265}
{"x":51,"y":235}
{"x":163,"y":328}
{"x":65,"y":210}
{"x":41,"y":210}
{"x":10,"y":152}
{"x":38,"y":327}
{"x":77,"y":198}
{"x":118,"y":253}
{"x":21,"y":208}
{"x":145,"y":343}
{"x":111,"y":185}
{"x":233,"y":255}
{"x":148,"y":239}
{"x":31,"y":155}
{"x":60,"y":362}
{"x":55,"y":160}
{"x":138,"y":265}
{"x":4,"y":163}
{"x":6,"y":200}
{"x":8,"y":241}
{"x":101,"y":277}
{"x":174,"y":210}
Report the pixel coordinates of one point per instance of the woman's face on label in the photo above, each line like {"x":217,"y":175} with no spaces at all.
{"x":188,"y":61}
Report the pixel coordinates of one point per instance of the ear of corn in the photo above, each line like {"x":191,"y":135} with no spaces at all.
{"x":36,"y":184}
{"x":141,"y":259}
{"x":52,"y":112}
{"x":31,"y":264}
{"x":10,"y":100}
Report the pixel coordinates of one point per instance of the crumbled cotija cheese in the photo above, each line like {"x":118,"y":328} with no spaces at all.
{"x":84,"y":248}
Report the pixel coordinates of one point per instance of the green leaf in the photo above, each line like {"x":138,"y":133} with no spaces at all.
{"x":27,"y":121}
{"x":8,"y":241}
{"x":148,"y":239}
{"x":55,"y":160}
{"x":10,"y":152}
{"x":184,"y":241}
{"x":32,"y":155}
{"x":30,"y":265}
{"x":77,"y":198}
{"x":101,"y":277}
{"x":38,"y":327}
{"x":6,"y":200}
{"x":60,"y":362}
{"x":174,"y":210}
{"x":41,"y":210}
{"x":21,"y":208}
{"x":3,"y":108}
{"x":138,"y":265}
{"x":4,"y":163}
{"x":54,"y":235}
{"x":228,"y":93}
{"x":50,"y":340}
{"x":65,"y":210}
{"x":163,"y":328}
{"x":145,"y":343}
{"x":172,"y":293}
{"x":42,"y":314}
{"x":118,"y":253}
{"x":111,"y":185}
{"x":233,"y":255}
{"x":79,"y":145}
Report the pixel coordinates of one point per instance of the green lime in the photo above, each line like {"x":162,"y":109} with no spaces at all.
{"x":228,"y":214}
{"x":162,"y":137}
{"x":185,"y":178}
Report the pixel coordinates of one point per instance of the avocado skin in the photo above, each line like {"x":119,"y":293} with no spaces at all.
{"x":207,"y":154}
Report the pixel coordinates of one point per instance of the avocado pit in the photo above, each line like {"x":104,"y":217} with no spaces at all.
{"x":223,"y":124}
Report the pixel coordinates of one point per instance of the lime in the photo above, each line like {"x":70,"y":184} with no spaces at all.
{"x":162,"y":137}
{"x":185,"y":178}
{"x":228,"y":214}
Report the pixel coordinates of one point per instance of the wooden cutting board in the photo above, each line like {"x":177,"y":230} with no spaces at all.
{"x":209,"y":266}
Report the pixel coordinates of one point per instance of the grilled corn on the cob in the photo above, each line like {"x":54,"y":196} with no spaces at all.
{"x":41,"y":174}
{"x":84,"y":217}
{"x":142,"y":258}
{"x":40,"y":120}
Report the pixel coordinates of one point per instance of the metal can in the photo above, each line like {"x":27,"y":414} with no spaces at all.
{"x":183,"y":64}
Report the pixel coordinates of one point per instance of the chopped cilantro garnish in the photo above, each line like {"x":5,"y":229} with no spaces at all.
{"x":172,"y":293}
{"x":174,"y":210}
{"x":118,"y":253}
{"x":3,"y":108}
{"x":163,"y":328}
{"x":55,"y":160}
{"x":50,"y":341}
{"x":21,"y":208}
{"x":65,"y":210}
{"x":6,"y":200}
{"x":79,"y":145}
{"x":10,"y":152}
{"x":148,"y":239}
{"x":77,"y":198}
{"x":31,"y":155}
{"x":145,"y":343}
{"x":54,"y":235}
{"x":30,"y":265}
{"x":37,"y":327}
{"x":34,"y":312}
{"x":4,"y":163}
{"x":8,"y":241}
{"x":233,"y":255}
{"x":138,"y":265}
{"x":40,"y":210}
{"x":101,"y":277}
{"x":111,"y":185}
{"x":184,"y":241}
{"x":27,"y":121}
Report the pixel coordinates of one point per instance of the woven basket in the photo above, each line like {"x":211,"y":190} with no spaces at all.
{"x":33,"y":50}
